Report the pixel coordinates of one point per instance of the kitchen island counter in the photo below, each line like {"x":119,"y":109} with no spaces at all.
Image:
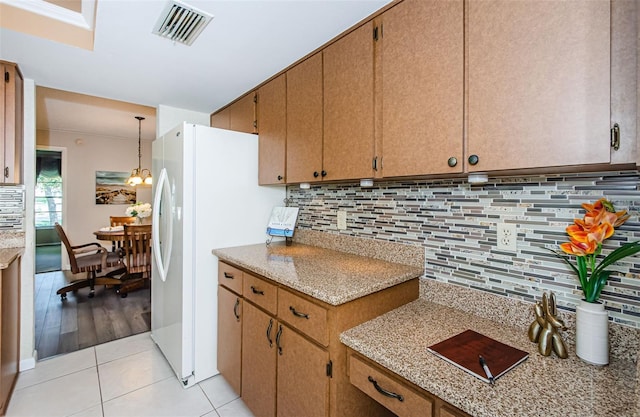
{"x":327,"y":275}
{"x":547,"y":386}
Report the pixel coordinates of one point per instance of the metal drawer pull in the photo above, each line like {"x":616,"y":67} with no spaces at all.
{"x":295,"y":313}
{"x":384,"y":391}
{"x":259,"y":292}
{"x":235,"y":309}
{"x":269,"y":332}
{"x":228,"y":275}
{"x":278,"y":335}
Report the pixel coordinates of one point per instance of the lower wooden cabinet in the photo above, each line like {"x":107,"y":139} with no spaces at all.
{"x":391,"y":393}
{"x":292,"y":361}
{"x":281,"y":366}
{"x":447,"y":410}
{"x":10,"y":330}
{"x":396,"y":393}
{"x":303,"y":378}
{"x":259,"y":361}
{"x":230,"y":317}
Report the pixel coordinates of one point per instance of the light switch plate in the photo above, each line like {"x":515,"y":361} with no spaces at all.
{"x":507,"y":237}
{"x":342,"y":220}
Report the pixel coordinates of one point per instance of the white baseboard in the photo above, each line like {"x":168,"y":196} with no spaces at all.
{"x":29,"y":363}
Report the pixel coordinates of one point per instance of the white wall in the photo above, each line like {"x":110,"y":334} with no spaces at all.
{"x":27,"y":284}
{"x":87,"y":154}
{"x":168,"y":117}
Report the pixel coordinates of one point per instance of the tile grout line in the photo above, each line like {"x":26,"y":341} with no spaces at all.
{"x":208,"y":399}
{"x":95,"y":356}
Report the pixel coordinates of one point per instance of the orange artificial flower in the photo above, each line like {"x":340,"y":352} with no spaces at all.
{"x":586,"y":236}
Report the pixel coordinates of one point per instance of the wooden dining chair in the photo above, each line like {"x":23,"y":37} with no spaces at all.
{"x":119,"y":221}
{"x":137,"y":257}
{"x":89,"y":258}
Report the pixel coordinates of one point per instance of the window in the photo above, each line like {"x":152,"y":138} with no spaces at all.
{"x":48,"y":193}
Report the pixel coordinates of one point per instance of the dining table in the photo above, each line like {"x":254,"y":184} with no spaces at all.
{"x":111,"y":234}
{"x":116,"y":234}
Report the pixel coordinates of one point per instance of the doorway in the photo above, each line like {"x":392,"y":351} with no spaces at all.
{"x":78,"y":322}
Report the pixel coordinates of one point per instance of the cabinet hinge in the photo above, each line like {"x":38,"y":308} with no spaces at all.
{"x":330,"y":369}
{"x":6,"y":76}
{"x":615,"y":137}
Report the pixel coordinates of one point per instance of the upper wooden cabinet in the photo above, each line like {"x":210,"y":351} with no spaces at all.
{"x":11,"y":128}
{"x":220,"y":119}
{"x":272,"y":131}
{"x":239,"y":116}
{"x":431,"y":87}
{"x":422,"y":87}
{"x":304,"y":121}
{"x":242,"y":114}
{"x":539,"y":83}
{"x":349,"y":106}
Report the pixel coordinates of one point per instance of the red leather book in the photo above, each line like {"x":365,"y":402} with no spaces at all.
{"x":463,"y":350}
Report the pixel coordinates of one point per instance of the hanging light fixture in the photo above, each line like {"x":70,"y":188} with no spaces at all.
{"x":139,"y":175}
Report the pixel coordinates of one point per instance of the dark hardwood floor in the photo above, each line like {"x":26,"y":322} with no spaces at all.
{"x":80,"y":321}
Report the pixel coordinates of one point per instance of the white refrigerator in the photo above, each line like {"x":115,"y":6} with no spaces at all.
{"x":206,"y":196}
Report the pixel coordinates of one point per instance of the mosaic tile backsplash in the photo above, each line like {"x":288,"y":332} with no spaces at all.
{"x":12,"y":208}
{"x":455,"y":222}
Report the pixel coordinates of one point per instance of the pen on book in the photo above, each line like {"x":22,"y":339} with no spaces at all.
{"x":483,"y":363}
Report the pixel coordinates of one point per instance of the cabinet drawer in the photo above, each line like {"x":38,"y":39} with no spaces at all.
{"x":364,"y":376}
{"x":260,"y":292}
{"x":304,"y":315}
{"x":230,"y":277}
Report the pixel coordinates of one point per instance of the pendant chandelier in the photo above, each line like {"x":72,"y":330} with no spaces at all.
{"x":139,"y":175}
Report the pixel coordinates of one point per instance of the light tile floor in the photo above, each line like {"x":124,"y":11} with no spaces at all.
{"x":126,"y":377}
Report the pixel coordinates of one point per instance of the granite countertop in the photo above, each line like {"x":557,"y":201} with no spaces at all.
{"x":327,"y":275}
{"x":7,"y":255}
{"x":540,"y":385}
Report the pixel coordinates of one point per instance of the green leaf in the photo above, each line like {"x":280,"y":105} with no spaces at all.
{"x":599,"y":282}
{"x":623,"y":251}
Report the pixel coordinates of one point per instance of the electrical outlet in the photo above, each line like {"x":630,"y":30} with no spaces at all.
{"x":342,"y":220}
{"x":507,"y":237}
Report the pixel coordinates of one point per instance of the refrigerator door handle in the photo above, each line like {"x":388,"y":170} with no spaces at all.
{"x":162,"y":196}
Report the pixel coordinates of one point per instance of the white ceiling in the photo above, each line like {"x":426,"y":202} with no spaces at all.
{"x":246,"y":43}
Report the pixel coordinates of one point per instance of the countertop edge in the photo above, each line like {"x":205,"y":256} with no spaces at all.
{"x":8,"y":255}
{"x":405,"y":273}
{"x":406,"y":356}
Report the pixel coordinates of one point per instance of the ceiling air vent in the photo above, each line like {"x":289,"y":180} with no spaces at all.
{"x":181,"y":23}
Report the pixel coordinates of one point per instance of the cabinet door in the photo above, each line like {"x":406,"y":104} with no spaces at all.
{"x":303,"y":385}
{"x":10,"y":339}
{"x":3,"y":130}
{"x":259,"y":362}
{"x":220,"y":119}
{"x":229,"y":337}
{"x":242,"y":114}
{"x":422,"y":87}
{"x":539,"y":75}
{"x":304,"y":121}
{"x":348,"y":106}
{"x":272,"y":130}
{"x":11,"y":112}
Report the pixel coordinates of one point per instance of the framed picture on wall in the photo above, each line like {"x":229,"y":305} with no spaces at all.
{"x":112,"y":188}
